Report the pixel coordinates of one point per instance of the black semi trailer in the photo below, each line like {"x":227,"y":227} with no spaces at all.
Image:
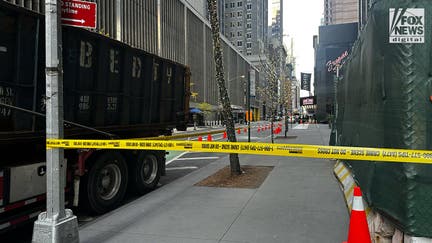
{"x":110,"y":89}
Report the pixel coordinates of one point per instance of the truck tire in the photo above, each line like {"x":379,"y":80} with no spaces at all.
{"x":106,"y":182}
{"x":145,"y":172}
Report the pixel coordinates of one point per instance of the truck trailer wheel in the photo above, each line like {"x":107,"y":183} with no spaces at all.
{"x":106,"y":182}
{"x":146,"y":172}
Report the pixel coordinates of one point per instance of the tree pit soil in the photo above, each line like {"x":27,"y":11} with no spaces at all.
{"x":251,"y":178}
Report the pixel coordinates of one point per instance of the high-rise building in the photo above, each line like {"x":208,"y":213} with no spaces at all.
{"x":244,"y":23}
{"x":331,"y":51}
{"x":341,"y":11}
{"x":276,"y":15}
{"x":277,"y":51}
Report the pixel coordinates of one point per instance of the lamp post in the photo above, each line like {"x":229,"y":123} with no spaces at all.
{"x":249,"y":106}
{"x":56,"y":224}
{"x":232,"y":79}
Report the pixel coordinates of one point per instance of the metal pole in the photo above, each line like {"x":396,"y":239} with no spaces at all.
{"x":118,"y":19}
{"x":249,"y":106}
{"x":159,"y":28}
{"x":56,"y":224}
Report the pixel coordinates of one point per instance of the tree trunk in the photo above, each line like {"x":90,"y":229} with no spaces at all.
{"x":272,"y":128}
{"x":223,"y":94}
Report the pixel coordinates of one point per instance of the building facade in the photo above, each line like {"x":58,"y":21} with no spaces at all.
{"x":331,"y":51}
{"x":341,"y":11}
{"x":200,"y":6}
{"x":244,"y":23}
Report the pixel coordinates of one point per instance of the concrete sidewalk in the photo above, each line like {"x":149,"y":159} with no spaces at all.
{"x":300,"y":201}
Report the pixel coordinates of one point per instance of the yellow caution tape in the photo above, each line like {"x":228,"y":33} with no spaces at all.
{"x":291,"y":150}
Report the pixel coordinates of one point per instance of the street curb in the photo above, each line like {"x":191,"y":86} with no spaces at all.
{"x":347,"y":184}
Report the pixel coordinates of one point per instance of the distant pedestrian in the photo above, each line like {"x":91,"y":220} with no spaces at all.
{"x":194,"y":116}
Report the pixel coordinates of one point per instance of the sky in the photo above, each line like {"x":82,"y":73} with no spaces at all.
{"x":301,"y":21}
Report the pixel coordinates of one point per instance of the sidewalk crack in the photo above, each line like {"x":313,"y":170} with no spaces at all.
{"x":238,"y":215}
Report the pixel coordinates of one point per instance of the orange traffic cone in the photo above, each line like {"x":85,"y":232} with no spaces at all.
{"x":224,"y":135}
{"x":199,"y":139}
{"x":358,"y":228}
{"x":209,"y":138}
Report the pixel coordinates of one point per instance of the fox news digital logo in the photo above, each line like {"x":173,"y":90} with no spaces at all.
{"x":407,"y":25}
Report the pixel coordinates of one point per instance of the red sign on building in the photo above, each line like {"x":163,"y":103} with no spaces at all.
{"x":78,"y":13}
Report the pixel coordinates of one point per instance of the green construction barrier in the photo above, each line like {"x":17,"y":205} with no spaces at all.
{"x":384,"y":100}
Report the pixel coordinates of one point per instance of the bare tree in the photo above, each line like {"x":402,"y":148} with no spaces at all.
{"x":285,"y":100}
{"x":269,"y":91}
{"x":227,"y":115}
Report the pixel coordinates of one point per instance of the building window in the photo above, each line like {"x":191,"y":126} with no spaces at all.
{"x":232,"y":5}
{"x":249,"y":6}
{"x":239,"y":24}
{"x":239,"y":43}
{"x":249,"y":26}
{"x":249,"y":35}
{"x":239,"y":14}
{"x":249,"y":45}
{"x":239,"y":4}
{"x":226,"y":5}
{"x":232,"y":24}
{"x":231,"y":34}
{"x":248,"y":53}
{"x":232,"y":14}
{"x":249,"y":16}
{"x":239,"y":33}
